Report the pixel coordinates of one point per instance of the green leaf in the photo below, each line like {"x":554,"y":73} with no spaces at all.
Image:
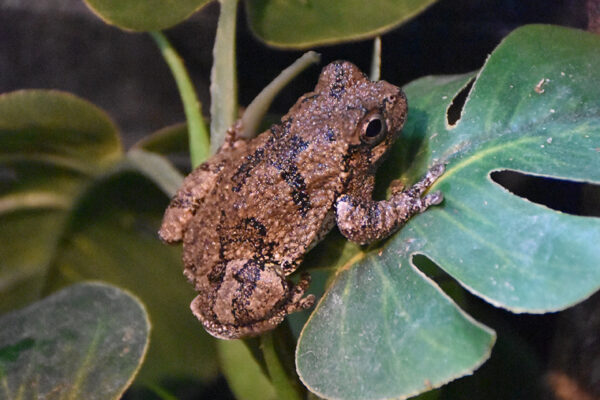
{"x":308,"y":23}
{"x":112,"y":236}
{"x":144,"y":15}
{"x":514,"y":253}
{"x":51,"y":145}
{"x":84,"y":342}
{"x":383,"y":329}
{"x":223,"y":76}
{"x":169,"y":141}
{"x":157,"y":169}
{"x":104,"y":226}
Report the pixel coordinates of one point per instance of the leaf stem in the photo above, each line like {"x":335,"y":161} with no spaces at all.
{"x":284,"y":386}
{"x":197,"y":130}
{"x":259,"y":106}
{"x":223,"y":77}
{"x":375,"y":74}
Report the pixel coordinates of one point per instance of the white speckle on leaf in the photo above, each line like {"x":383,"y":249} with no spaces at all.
{"x":539,"y":88}
{"x":549,"y":140}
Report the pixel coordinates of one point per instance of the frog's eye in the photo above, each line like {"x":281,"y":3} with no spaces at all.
{"x":373,"y":129}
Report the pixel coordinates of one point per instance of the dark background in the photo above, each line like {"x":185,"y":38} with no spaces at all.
{"x":60,"y":44}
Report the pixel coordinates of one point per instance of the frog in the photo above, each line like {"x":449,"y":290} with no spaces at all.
{"x":249,"y":214}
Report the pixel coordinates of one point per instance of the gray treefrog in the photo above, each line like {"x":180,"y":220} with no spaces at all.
{"x":249,"y":214}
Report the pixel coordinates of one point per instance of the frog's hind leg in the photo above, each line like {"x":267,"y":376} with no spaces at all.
{"x":297,"y":301}
{"x":250,"y":298}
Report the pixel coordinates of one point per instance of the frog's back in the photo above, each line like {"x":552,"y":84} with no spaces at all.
{"x":270,"y":206}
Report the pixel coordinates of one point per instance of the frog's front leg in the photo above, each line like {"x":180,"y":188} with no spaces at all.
{"x":363,"y":220}
{"x":184,"y":203}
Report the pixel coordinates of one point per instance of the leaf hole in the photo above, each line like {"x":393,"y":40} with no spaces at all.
{"x":446,"y":282}
{"x":575,"y":198}
{"x":455,"y":109}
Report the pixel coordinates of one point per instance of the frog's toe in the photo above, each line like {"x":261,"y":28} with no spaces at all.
{"x":301,"y":304}
{"x":434,"y":198}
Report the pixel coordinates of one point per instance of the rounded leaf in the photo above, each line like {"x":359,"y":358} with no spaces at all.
{"x":144,"y":15}
{"x":112,"y":236}
{"x":84,"y":342}
{"x":309,"y":23}
{"x":73,"y":208}
{"x":51,"y":144}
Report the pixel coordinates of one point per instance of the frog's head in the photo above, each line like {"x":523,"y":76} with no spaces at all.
{"x":373,"y":113}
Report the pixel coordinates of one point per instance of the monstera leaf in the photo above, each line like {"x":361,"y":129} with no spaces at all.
{"x":384,"y":329}
{"x":84,"y":342}
{"x":74,"y":206}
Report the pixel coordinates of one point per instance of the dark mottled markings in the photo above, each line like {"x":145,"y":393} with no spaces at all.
{"x":280,"y":151}
{"x":243,"y":171}
{"x":257,"y":225}
{"x":330,"y":135}
{"x":338,"y":86}
{"x":183,"y":201}
{"x":285,"y":162}
{"x":217,"y":273}
{"x":247,"y":277}
{"x":293,"y":178}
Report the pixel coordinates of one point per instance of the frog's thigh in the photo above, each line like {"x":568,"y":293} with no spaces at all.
{"x":249,"y":292}
{"x":249,"y":300}
{"x":233,"y":331}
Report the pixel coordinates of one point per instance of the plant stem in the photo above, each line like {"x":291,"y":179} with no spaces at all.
{"x":284,"y":386}
{"x":375,"y":74}
{"x":197,"y":130}
{"x":258,"y":107}
{"x":223,"y":77}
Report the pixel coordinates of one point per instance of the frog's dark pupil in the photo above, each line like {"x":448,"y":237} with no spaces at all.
{"x":373,"y":128}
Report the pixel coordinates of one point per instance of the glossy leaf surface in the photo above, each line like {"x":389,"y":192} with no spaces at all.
{"x":84,"y":342}
{"x":74,"y":207}
{"x":144,"y":15}
{"x":308,"y":23}
{"x":380,"y":315}
{"x":51,"y":144}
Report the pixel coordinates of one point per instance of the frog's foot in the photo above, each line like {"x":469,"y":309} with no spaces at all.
{"x":297,"y":302}
{"x":363,"y":220}
{"x":429,"y":179}
{"x":410,"y":202}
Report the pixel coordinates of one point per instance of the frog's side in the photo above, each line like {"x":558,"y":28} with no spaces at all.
{"x":249,"y":214}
